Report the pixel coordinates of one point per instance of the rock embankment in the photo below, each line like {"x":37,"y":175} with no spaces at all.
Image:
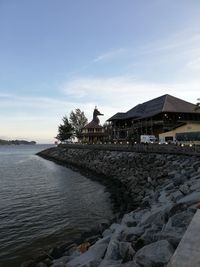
{"x":165,"y":189}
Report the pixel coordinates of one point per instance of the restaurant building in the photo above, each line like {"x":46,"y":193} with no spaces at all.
{"x":154,"y":117}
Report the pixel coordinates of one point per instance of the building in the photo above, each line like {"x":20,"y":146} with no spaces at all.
{"x":154,"y":117}
{"x":93,"y":132}
{"x":186,"y":133}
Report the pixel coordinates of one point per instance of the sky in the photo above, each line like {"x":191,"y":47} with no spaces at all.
{"x":59,"y":55}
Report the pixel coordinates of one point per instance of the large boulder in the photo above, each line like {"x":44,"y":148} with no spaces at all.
{"x":156,"y":216}
{"x":132,"y":233}
{"x":113,"y":252}
{"x":173,"y":236}
{"x":155,"y":254}
{"x":126,"y":251}
{"x":190,"y":199}
{"x":180,"y":220}
{"x":92,"y":257}
{"x":150,"y":234}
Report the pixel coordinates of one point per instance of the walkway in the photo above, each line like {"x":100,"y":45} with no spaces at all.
{"x":187,"y":253}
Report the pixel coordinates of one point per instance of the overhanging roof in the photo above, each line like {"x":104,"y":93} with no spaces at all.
{"x":118,"y":116}
{"x":162,"y":104}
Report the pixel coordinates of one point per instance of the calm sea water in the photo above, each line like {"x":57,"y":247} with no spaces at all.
{"x":43,"y":204}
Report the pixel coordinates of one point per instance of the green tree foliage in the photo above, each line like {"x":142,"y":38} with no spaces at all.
{"x":65,"y":130}
{"x":78,"y":121}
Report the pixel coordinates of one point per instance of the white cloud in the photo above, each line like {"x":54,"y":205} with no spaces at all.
{"x":110,"y":55}
{"x":122,"y":93}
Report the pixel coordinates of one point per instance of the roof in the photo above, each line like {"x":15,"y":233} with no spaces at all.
{"x":93,"y":125}
{"x":162,"y":104}
{"x":118,"y":116}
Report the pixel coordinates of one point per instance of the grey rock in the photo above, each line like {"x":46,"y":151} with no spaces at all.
{"x":126,"y":251}
{"x":195,"y":185}
{"x":179,"y":179}
{"x":114,"y":226}
{"x":190,"y":199}
{"x":177,"y":208}
{"x":196,"y":165}
{"x":169,"y":186}
{"x":107,"y":232}
{"x":58,"y":264}
{"x":179,"y":220}
{"x":129,"y":220}
{"x":118,"y":232}
{"x":132,"y":233}
{"x":130,"y":264}
{"x":92,"y":257}
{"x":155,"y":254}
{"x":110,"y":263}
{"x":150,"y":235}
{"x":196,"y":176}
{"x":113,"y":252}
{"x":173,"y":236}
{"x":156,"y":216}
{"x":175,"y":196}
{"x":184,"y":188}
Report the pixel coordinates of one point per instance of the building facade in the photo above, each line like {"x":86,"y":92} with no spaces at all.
{"x":159,"y":115}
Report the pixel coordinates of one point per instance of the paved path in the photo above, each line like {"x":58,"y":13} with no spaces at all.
{"x":187,"y":253}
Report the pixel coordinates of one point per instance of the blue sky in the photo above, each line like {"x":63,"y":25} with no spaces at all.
{"x":58,"y":55}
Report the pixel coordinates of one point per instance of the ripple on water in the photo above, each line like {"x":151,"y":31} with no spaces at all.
{"x":43,"y":204}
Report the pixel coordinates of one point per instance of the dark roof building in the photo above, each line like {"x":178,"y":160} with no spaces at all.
{"x":153,"y":117}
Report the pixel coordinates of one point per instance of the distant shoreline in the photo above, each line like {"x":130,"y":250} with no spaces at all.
{"x":16,"y":142}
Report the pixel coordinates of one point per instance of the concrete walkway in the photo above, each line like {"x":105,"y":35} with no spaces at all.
{"x":187,"y":253}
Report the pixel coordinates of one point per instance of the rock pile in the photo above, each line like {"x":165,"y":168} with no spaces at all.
{"x":166,"y":191}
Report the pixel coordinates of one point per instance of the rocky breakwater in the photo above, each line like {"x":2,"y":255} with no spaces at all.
{"x":165,"y":190}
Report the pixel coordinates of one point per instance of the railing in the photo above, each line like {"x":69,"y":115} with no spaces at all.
{"x":143,"y":148}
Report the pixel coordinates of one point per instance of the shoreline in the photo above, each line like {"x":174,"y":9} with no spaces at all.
{"x":166,"y":191}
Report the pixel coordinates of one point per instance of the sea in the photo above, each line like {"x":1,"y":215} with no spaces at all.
{"x":43,"y":204}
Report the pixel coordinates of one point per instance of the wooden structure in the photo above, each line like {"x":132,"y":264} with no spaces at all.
{"x":153,"y":117}
{"x":93,"y":132}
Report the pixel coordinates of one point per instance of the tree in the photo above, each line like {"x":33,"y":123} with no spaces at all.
{"x":78,"y":121}
{"x":197,"y":105}
{"x":65,"y":130}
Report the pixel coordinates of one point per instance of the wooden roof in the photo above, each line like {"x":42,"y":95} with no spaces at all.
{"x":162,"y":104}
{"x":92,"y":125}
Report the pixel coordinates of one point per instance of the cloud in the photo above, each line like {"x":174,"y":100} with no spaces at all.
{"x":194,"y":64}
{"x":181,"y":41}
{"x":110,"y":55}
{"x":122,"y":93}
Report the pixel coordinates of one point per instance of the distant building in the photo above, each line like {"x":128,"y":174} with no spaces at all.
{"x":154,"y":117}
{"x":93,"y":132}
